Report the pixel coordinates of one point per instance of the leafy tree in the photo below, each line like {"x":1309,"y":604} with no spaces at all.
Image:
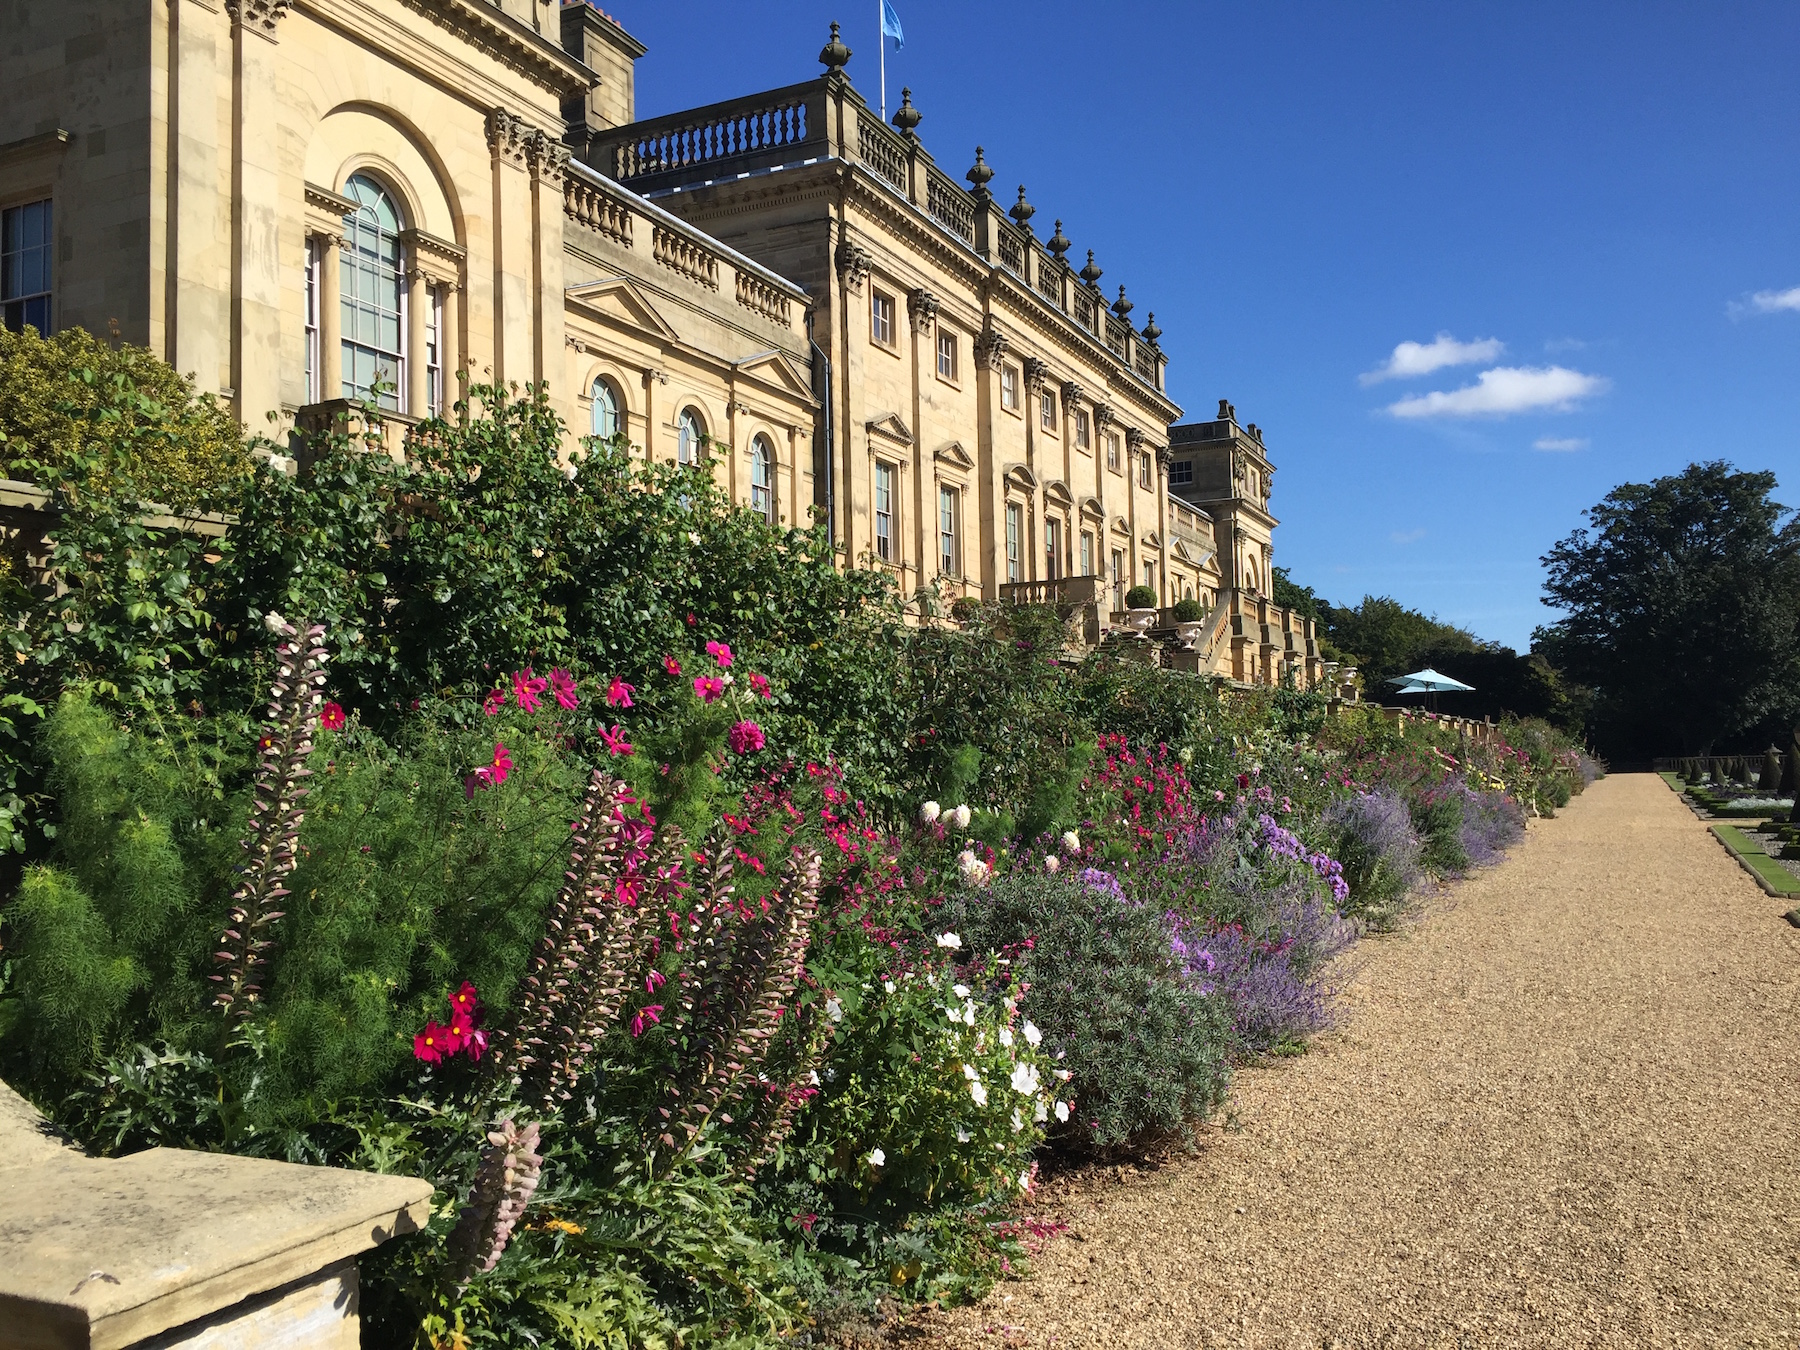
{"x":1682,"y":608}
{"x":1387,"y":639}
{"x":1301,"y":599}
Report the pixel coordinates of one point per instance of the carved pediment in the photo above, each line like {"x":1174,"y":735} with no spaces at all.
{"x":1152,"y":539}
{"x":618,"y":300}
{"x":1091,"y":508}
{"x":955,"y":456}
{"x":1197,"y":555}
{"x":778,"y":369}
{"x":888,"y":426}
{"x":1121,"y":526}
{"x":1021,"y":476}
{"x":1057,"y":492}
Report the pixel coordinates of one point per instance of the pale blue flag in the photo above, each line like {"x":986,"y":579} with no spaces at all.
{"x":890,"y":25}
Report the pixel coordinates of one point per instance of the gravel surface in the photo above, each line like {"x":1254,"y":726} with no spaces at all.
{"x":1564,"y":1110}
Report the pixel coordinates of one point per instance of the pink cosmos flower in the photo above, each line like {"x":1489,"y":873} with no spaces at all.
{"x":720,"y":653}
{"x":646,"y":1017}
{"x":526,"y":688}
{"x":495,"y":701}
{"x":671,"y":665}
{"x":654,"y":981}
{"x":759,"y":685}
{"x":477,"y":1043}
{"x":618,"y":693}
{"x":709,"y":687}
{"x":331,"y":717}
{"x":615,"y":741}
{"x":489,"y":775}
{"x":562,"y":685}
{"x":745,"y":737}
{"x":432,"y":1044}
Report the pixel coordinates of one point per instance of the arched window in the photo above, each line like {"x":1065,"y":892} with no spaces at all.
{"x":762,"y":479}
{"x":606,"y":410}
{"x":373,"y":287}
{"x":692,"y":431}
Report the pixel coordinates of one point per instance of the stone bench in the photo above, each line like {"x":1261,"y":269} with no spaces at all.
{"x":176,"y":1249}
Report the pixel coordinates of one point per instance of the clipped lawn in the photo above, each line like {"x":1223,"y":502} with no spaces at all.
{"x":1774,"y":876}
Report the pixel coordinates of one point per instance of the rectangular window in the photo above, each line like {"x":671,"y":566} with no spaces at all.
{"x":1052,"y":548}
{"x":1116,"y":575}
{"x":434,"y":350}
{"x":312,"y":319}
{"x":948,"y":552}
{"x":1014,"y":522}
{"x":25,"y":266}
{"x":946,"y":355}
{"x":1047,"y":410}
{"x":1087,"y":554}
{"x":1144,"y":470}
{"x":1009,"y":387}
{"x":1150,"y":575}
{"x":884,"y":512}
{"x":1181,"y":473}
{"x":881,"y":318}
{"x":1083,"y":434}
{"x":1112,"y":452}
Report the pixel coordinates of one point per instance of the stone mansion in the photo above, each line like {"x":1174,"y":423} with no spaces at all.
{"x":300,"y":202}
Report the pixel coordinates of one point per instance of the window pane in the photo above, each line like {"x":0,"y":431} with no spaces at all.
{"x":371,"y":281}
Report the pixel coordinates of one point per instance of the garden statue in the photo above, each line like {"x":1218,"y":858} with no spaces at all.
{"x":1771,"y":770}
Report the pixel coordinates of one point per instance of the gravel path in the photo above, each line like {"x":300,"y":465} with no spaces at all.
{"x":1564,"y":1110}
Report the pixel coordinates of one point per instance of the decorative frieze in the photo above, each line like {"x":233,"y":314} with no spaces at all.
{"x":261,"y":17}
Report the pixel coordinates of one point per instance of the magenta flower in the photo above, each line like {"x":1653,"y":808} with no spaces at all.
{"x":618,"y":693}
{"x":491,"y":774}
{"x":709,"y":687}
{"x":745,"y":737}
{"x":494,"y":702}
{"x":526,"y":688}
{"x":720,"y":653}
{"x":615,"y":741}
{"x":331,"y":717}
{"x":671,"y":665}
{"x":647,"y":1017}
{"x":759,"y":685}
{"x":654,"y":981}
{"x":562,"y":685}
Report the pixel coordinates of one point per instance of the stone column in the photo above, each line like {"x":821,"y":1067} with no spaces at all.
{"x":418,"y":296}
{"x":331,"y":317}
{"x":452,"y":339}
{"x":513,"y":252}
{"x":256,"y":212}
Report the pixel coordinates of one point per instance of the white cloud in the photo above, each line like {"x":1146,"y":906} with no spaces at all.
{"x":1503,"y":390}
{"x":1421,"y":358}
{"x":1766,"y":302}
{"x":1407,"y":536}
{"x":1560,"y":443}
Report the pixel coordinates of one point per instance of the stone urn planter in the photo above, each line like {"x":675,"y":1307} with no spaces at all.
{"x":1187,"y":634}
{"x":1142,"y":620}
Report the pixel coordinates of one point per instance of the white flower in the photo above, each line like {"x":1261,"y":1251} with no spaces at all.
{"x":1033,"y":1037}
{"x":960,"y":990}
{"x":962,"y":1135}
{"x":930,"y":812}
{"x":1062,"y":1111}
{"x":1071,"y":841}
{"x":950,"y":940}
{"x":1052,"y":863}
{"x":969,"y":1014}
{"x":877,"y":1158}
{"x":1017,"y":1122}
{"x":694,"y":537}
{"x":1006,"y":1037}
{"x":1064,"y":1074}
{"x":974,"y":870}
{"x":955,"y":1015}
{"x":1025,"y":1179}
{"x":978,"y":1091}
{"x":834,"y":1010}
{"x":1012,"y":1004}
{"x":1040,"y":1115}
{"x":274,"y":622}
{"x":960,"y":817}
{"x":1025,"y":1079}
{"x":971,"y":1073}
{"x":889,"y":986}
{"x":812,"y":1076}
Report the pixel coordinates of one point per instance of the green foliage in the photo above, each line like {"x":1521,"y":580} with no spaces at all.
{"x":1140,"y":597}
{"x":1149,"y":1053}
{"x":1189,"y":610}
{"x":112,"y":419}
{"x":1682,"y":610}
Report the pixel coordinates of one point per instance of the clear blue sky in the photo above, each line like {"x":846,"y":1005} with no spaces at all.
{"x":1600,"y":203}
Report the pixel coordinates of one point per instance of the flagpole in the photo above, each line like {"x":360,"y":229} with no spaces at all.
{"x":881,"y":38}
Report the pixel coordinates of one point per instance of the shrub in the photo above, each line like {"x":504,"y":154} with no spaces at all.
{"x":1381,"y":852}
{"x":1189,"y":610}
{"x":1148,"y":1050}
{"x":1140,"y":597}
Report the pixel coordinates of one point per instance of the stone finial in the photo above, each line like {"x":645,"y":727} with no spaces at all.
{"x":1122,"y":306}
{"x":1022,"y":210}
{"x":907,"y":117}
{"x":1091,"y":273}
{"x":978,"y":175}
{"x":1058,"y":243}
{"x":1224,"y":410}
{"x":1151,"y":331}
{"x":835,"y":55}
